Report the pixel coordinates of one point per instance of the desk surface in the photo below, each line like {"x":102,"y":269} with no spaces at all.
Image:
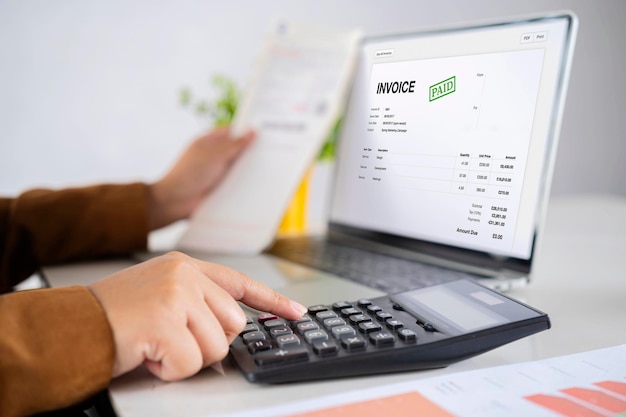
{"x":578,"y":280}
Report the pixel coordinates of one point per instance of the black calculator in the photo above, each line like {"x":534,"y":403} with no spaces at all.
{"x":425,"y":328}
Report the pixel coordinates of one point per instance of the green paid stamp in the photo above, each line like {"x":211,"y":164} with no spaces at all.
{"x":442,"y":89}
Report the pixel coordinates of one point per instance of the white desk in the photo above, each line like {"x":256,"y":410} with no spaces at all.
{"x":579,"y":280}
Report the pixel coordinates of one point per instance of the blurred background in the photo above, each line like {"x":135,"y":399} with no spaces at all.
{"x":90,"y":90}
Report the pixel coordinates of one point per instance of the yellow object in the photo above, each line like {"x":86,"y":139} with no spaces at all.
{"x":294,"y":221}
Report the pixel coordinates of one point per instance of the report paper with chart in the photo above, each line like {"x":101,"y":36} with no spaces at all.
{"x":588,"y":384}
{"x":293,"y":100}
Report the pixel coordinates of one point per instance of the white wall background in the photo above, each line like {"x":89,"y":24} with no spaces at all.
{"x":89,"y":89}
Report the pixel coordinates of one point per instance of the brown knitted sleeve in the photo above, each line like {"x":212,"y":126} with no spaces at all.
{"x":56,"y":349}
{"x":42,"y":227}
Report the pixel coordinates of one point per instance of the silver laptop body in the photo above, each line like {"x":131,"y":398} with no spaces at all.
{"x":445,"y":157}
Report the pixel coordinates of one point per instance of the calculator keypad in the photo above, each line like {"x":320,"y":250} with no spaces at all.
{"x":325,"y":331}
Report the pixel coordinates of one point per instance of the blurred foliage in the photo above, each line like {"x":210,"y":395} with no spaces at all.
{"x":327,"y":153}
{"x":221,"y":111}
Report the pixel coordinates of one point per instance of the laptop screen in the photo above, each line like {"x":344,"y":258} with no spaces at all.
{"x":449,"y":136}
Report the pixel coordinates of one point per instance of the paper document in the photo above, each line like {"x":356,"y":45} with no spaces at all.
{"x":296,"y":95}
{"x":589,"y":384}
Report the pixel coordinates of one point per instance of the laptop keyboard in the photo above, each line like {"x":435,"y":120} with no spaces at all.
{"x":384,"y":272}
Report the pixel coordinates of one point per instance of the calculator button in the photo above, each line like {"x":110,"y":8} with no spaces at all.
{"x":383,"y":316}
{"x":253,"y":337}
{"x":340,"y":305}
{"x":302,"y":319}
{"x":313,"y":336}
{"x":364,"y":302}
{"x":279,"y":331}
{"x":250,"y":328}
{"x":317,"y":309}
{"x":346,"y":312}
{"x":305,"y":327}
{"x":323,"y":315}
{"x":374,"y":308}
{"x":369,"y":327}
{"x":429,"y":327}
{"x":325,"y":348}
{"x":407,"y":335}
{"x":353,"y":343}
{"x":270,"y":324}
{"x":359,"y":318}
{"x":287,"y":340}
{"x":277,"y":356}
{"x":394,"y":324}
{"x":397,"y":307}
{"x":263,"y":317}
{"x":259,"y":346}
{"x":330,"y":323}
{"x":342,"y":331}
{"x":249,"y":320}
{"x":381,"y":339}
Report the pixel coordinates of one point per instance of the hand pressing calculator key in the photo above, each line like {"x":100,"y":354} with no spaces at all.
{"x":426,"y":328}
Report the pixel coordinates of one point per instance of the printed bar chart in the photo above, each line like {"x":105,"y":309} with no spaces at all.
{"x":586,"y":402}
{"x":563,"y":406}
{"x":607,"y":401}
{"x":401,"y":405}
{"x":615,"y":386}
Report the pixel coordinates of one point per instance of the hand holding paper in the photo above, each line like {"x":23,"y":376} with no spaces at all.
{"x":295,"y":97}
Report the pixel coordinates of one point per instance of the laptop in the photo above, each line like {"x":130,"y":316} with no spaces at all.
{"x":445,"y":156}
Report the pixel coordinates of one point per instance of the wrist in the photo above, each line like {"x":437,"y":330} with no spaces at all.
{"x":159,"y":212}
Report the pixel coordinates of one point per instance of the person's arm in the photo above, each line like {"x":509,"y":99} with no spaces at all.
{"x":57,"y":343}
{"x":42,"y":227}
{"x":56,"y":349}
{"x":174,"y":314}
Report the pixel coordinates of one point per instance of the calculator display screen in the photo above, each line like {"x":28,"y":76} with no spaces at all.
{"x":453,"y":308}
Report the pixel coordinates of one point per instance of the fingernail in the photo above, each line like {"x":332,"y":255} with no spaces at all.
{"x":299,"y":308}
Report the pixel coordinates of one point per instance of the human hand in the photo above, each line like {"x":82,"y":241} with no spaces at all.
{"x":198,"y":170}
{"x":177,"y":314}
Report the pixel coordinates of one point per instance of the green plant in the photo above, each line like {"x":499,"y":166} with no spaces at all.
{"x":221,"y":111}
{"x":327,"y":153}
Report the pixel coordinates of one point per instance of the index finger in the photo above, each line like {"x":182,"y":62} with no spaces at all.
{"x":251,"y":292}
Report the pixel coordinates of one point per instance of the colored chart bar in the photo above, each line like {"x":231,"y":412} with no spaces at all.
{"x":409,"y":404}
{"x":563,"y":406}
{"x":597,"y":398}
{"x":614,"y":386}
